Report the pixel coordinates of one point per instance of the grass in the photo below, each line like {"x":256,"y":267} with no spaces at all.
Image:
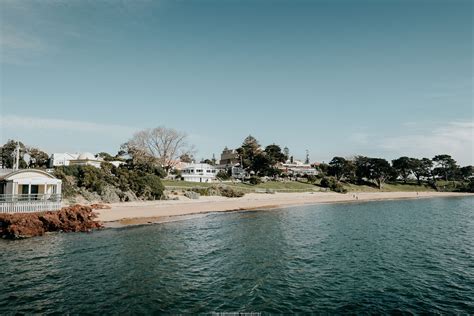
{"x":271,"y":185}
{"x":389,"y":187}
{"x":295,"y":186}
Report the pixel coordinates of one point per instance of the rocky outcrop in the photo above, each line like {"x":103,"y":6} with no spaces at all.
{"x":76,"y":218}
{"x":110,"y":194}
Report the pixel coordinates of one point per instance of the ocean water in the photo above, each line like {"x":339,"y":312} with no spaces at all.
{"x":412,"y":256}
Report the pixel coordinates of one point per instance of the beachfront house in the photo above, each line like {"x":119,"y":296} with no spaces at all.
{"x":28,"y":190}
{"x":199,"y":172}
{"x":296,"y":167}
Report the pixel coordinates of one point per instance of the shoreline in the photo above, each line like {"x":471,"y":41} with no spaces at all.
{"x":152,"y":212}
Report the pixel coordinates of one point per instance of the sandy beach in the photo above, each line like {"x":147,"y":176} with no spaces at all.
{"x":136,"y":213}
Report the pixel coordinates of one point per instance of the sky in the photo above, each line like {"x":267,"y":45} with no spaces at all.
{"x":380,"y":78}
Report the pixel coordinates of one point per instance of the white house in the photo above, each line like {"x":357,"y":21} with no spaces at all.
{"x":86,"y":159}
{"x":29,"y":190}
{"x":61,"y":159}
{"x":295,"y":167}
{"x":199,"y":172}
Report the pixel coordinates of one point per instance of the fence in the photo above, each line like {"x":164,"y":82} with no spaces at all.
{"x":26,"y":203}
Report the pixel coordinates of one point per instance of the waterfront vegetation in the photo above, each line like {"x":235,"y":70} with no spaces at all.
{"x":147,"y":171}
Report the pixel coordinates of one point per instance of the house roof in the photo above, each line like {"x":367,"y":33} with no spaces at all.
{"x":6,"y":176}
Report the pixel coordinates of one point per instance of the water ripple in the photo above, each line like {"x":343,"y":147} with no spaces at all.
{"x":383,"y":257}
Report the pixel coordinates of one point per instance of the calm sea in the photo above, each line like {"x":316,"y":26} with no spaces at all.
{"x":410,"y":256}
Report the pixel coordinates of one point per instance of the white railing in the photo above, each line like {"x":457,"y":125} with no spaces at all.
{"x":29,"y":207}
{"x":10,"y":198}
{"x":27,"y":203}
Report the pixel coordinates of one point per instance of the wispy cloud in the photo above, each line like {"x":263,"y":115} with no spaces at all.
{"x":36,"y":123}
{"x":455,"y":138}
{"x":18,"y":47}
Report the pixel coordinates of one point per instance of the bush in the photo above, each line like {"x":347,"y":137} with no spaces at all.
{"x":311,"y":179}
{"x":127,"y":181}
{"x":333,"y":185}
{"x":255,"y":180}
{"x":328,"y":182}
{"x":230,"y":192}
{"x":218,"y":191}
{"x":222,"y":175}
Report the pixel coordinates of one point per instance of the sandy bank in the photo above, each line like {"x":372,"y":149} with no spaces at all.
{"x":133,"y":213}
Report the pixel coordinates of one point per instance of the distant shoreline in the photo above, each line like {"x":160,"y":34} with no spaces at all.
{"x":150,"y":212}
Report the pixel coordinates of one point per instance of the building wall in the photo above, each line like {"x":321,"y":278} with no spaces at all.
{"x":207,"y":173}
{"x":229,"y":157}
{"x":61,"y":159}
{"x":93,"y":163}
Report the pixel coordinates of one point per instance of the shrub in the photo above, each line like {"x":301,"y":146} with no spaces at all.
{"x":230,"y":192}
{"x":255,"y":180}
{"x":327,"y":182}
{"x":311,"y":179}
{"x":333,"y":185}
{"x":153,"y":187}
{"x":144,"y":184}
{"x":222,"y":175}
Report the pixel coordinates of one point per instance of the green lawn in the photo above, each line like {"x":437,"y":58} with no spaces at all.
{"x":388,"y":187}
{"x":301,"y":186}
{"x":271,"y":185}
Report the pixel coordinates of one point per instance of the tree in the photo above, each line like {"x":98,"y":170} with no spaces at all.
{"x":380,"y":170}
{"x":248,"y":152}
{"x":7,"y":154}
{"x":106,"y":156}
{"x":38,"y":158}
{"x":161,"y":145}
{"x":187,"y":158}
{"x":266,"y":162}
{"x":339,"y":167}
{"x":323,"y":168}
{"x":208,"y":161}
{"x":446,"y":165}
{"x":274,"y":154}
{"x":373,"y":169}
{"x":466,"y":172}
{"x":421,"y":168}
{"x":403,"y":167}
{"x":362,"y":168}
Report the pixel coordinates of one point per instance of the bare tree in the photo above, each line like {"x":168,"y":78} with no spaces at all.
{"x":162,"y":145}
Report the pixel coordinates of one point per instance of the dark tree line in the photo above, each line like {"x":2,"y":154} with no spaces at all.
{"x":378,"y":170}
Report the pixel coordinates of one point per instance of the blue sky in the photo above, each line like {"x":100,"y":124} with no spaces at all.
{"x":379,"y":78}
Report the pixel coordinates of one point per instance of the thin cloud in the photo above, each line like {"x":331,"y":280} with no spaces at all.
{"x":22,"y":122}
{"x":454,"y":138}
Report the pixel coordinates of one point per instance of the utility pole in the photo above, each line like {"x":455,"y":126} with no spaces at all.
{"x":16,"y":165}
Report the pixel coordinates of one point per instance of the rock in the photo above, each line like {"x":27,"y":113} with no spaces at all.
{"x":90,"y":196}
{"x":110,"y":195}
{"x":192,"y":195}
{"x":129,"y":196}
{"x":76,"y":218}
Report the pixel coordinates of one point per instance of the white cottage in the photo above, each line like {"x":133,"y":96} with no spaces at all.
{"x":199,"y":172}
{"x":29,"y":190}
